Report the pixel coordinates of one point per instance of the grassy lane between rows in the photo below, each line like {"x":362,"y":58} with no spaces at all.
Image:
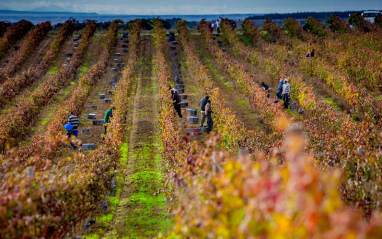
{"x":140,"y":210}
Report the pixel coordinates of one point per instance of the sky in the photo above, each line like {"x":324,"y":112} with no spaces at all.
{"x":182,"y":7}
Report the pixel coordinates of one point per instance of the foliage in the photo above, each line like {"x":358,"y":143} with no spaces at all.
{"x":342,"y":146}
{"x":336,"y":24}
{"x":12,"y":86}
{"x":226,"y":122}
{"x":378,"y":20}
{"x":30,"y":43}
{"x":272,"y":32}
{"x":246,"y":82}
{"x":225,"y":197}
{"x":3,"y":27}
{"x":56,"y":196}
{"x":13,"y":34}
{"x":362,"y":24}
{"x":315,"y":27}
{"x":292,"y":28}
{"x":16,"y":122}
{"x":251,"y":30}
{"x":229,"y":22}
{"x":147,"y":24}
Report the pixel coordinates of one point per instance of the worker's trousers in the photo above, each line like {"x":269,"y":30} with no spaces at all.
{"x":210,"y":123}
{"x":203,"y":113}
{"x":178,"y":109}
{"x":286,"y":100}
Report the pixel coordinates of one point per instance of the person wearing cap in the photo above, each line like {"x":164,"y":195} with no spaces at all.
{"x":176,"y":102}
{"x":280,"y":88}
{"x":286,"y":93}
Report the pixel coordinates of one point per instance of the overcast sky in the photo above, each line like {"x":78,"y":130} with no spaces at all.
{"x":157,"y":7}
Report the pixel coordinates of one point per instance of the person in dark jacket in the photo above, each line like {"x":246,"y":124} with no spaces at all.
{"x":265,"y":88}
{"x":176,"y":102}
{"x":73,"y":120}
{"x":108,"y":116}
{"x":203,"y":103}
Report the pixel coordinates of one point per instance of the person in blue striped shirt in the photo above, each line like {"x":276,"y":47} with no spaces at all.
{"x":73,"y":120}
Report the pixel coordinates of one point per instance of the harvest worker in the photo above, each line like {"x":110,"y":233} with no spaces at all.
{"x":286,"y":93}
{"x":73,"y":120}
{"x":203,"y":103}
{"x":310,"y":54}
{"x":176,"y":102}
{"x":208,"y":110}
{"x":108,"y":115}
{"x":69,"y":131}
{"x":265,"y":88}
{"x":280,"y":88}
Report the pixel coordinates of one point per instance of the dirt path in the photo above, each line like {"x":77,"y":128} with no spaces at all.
{"x":141,"y":211}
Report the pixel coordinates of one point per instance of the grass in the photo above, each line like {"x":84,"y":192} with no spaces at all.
{"x":147,"y":216}
{"x":147,"y":206}
{"x":53,"y":70}
{"x":246,"y":39}
{"x":149,"y":89}
{"x":242,"y":102}
{"x":331,"y":102}
{"x":105,"y":220}
{"x":92,"y":236}
{"x":215,"y":72}
{"x":84,"y":69}
{"x":45,"y":122}
{"x":114,"y":201}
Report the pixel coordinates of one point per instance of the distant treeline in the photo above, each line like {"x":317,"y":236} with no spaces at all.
{"x":303,"y":15}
